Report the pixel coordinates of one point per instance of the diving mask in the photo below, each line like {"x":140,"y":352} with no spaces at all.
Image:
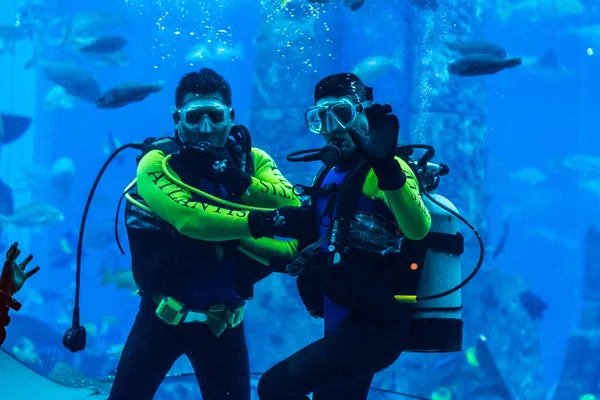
{"x":331,"y":116}
{"x":203,"y":116}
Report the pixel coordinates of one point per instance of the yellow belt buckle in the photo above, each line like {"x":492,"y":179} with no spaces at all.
{"x":404,"y":298}
{"x":217,"y":319}
{"x":170,"y":310}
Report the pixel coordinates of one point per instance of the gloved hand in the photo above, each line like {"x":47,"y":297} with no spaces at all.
{"x":13,"y":275}
{"x":379,"y":145}
{"x":216,"y":165}
{"x":287,"y":222}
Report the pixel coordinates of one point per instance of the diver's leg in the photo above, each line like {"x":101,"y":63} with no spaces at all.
{"x":355,"y":388}
{"x":221,"y":363}
{"x":357,"y":349}
{"x":151,"y":349}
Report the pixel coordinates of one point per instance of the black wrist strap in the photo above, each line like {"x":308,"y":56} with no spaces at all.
{"x":389,"y":175}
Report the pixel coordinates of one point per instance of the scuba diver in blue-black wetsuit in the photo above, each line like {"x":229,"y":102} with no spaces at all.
{"x":363,"y":203}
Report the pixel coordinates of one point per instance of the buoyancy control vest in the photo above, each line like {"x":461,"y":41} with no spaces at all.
{"x":359,"y":270}
{"x":161,"y":255}
{"x":370,"y":269}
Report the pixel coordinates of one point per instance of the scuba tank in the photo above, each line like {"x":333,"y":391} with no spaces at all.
{"x":436,"y":322}
{"x":437,"y":325}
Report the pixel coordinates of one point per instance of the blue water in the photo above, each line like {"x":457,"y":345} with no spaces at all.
{"x":533,"y":122}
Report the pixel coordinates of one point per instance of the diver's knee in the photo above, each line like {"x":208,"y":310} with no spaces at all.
{"x":273,"y":382}
{"x":266,"y":387}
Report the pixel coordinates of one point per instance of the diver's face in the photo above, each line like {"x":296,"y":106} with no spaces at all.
{"x":342,"y":138}
{"x":341,"y":114}
{"x":204,"y":119}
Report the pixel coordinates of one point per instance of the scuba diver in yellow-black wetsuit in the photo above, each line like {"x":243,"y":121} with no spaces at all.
{"x":193,"y":276}
{"x":365,"y":212}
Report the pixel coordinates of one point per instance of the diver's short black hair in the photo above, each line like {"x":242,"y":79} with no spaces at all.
{"x":343,"y":84}
{"x":205,"y":81}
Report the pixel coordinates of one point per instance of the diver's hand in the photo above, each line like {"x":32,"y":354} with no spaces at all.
{"x":209,"y":160}
{"x":13,"y":275}
{"x":217,"y":165}
{"x":233,"y":178}
{"x":379,"y":145}
{"x":287,"y":222}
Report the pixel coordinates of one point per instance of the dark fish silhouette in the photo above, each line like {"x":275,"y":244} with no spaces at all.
{"x":126,"y":93}
{"x":533,"y":305}
{"x":105,"y":44}
{"x":76,"y":80}
{"x":34,"y":214}
{"x":481,"y":64}
{"x":12,"y":127}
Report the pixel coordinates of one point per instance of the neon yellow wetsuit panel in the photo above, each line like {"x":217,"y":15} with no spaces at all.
{"x":272,"y":248}
{"x":268,"y":188}
{"x":202,"y":221}
{"x":406,"y":203}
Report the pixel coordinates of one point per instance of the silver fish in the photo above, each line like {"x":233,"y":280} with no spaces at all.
{"x":35,"y":214}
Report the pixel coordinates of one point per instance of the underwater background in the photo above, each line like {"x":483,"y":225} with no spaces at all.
{"x":521,"y":144}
